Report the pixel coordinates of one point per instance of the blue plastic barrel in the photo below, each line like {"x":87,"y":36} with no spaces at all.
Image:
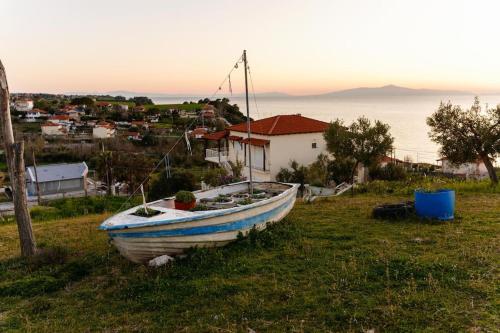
{"x":435,"y":205}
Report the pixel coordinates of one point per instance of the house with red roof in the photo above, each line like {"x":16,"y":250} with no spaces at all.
{"x":103,"y":130}
{"x":104,"y":106}
{"x":198,"y":132}
{"x":385,"y":160}
{"x":23,"y":105}
{"x":274,"y":143}
{"x":51,"y":129}
{"x":470,"y":170}
{"x":36,"y":114}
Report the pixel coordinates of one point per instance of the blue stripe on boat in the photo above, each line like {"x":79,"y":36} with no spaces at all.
{"x":232,"y":226}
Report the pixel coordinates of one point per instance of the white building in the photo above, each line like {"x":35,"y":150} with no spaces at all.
{"x":103,"y":130}
{"x":475,"y":170}
{"x":35,"y":114}
{"x":60,"y":119}
{"x":23,"y":105}
{"x":57,"y":178}
{"x":73,"y":115}
{"x":274,"y":143}
{"x":53,"y":129}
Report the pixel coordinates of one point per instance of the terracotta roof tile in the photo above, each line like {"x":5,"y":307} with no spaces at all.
{"x":215,"y":136}
{"x":256,"y":142}
{"x":235,"y":138}
{"x":282,"y":125}
{"x":59,"y":117}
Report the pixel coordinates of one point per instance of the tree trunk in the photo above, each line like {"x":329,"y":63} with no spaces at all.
{"x":23,"y":218}
{"x":490,"y":168}
{"x":352,"y":177}
{"x":15,"y":164}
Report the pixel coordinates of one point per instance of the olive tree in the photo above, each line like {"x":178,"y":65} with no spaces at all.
{"x":467,"y":135}
{"x":359,"y":143}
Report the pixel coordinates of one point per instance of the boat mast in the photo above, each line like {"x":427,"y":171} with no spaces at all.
{"x":248,"y":122}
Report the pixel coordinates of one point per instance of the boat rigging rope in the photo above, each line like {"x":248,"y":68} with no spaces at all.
{"x":180,"y":138}
{"x":253,"y":93}
{"x":228,"y":76}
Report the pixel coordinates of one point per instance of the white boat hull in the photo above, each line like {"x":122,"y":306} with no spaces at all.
{"x":141,"y":242}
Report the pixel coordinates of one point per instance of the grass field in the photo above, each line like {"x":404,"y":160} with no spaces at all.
{"x":327,"y":267}
{"x":187,"y":107}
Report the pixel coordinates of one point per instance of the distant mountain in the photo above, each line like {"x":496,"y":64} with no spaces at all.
{"x":385,"y":91}
{"x":391,"y":90}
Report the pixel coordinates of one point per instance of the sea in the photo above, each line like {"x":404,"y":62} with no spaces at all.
{"x":406,"y":115}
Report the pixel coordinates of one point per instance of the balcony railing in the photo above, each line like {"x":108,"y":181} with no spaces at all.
{"x":216,"y":155}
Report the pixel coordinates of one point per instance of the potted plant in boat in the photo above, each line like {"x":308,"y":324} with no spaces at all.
{"x":185,"y":200}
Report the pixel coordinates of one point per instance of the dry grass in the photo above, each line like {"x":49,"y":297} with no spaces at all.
{"x":328,"y":267}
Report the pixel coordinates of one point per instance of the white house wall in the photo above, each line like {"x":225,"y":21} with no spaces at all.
{"x":475,"y":169}
{"x":281,"y":151}
{"x":295,"y":147}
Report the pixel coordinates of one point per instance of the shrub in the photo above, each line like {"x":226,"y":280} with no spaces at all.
{"x":185,"y":197}
{"x":43,"y":213}
{"x":318,"y":174}
{"x":146,"y":213}
{"x":340,"y":170}
{"x":297,"y":174}
{"x":284,"y":175}
{"x":163,"y":187}
{"x":389,"y":172}
{"x":237,"y":168}
{"x":214,"y":177}
{"x":72,"y":207}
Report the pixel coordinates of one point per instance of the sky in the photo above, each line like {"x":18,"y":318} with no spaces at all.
{"x":297,"y":47}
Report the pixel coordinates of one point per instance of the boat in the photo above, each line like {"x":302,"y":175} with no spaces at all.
{"x":220,"y":215}
{"x":172,"y":231}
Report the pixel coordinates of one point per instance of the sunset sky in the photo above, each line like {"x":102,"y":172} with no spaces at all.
{"x":298,"y":47}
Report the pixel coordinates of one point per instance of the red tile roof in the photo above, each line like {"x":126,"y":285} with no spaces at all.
{"x":215,"y":136}
{"x":235,"y":138}
{"x":106,"y":104}
{"x":282,"y":125}
{"x":104,"y":124}
{"x":256,"y":142}
{"x":50,"y":125}
{"x":59,"y":117}
{"x":199,"y":130}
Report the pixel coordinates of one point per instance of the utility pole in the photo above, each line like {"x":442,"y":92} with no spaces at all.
{"x":39,"y":196}
{"x":108,"y":175}
{"x":248,"y":122}
{"x":15,"y":163}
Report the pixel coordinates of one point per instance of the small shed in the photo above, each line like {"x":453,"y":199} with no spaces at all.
{"x":57,"y":178}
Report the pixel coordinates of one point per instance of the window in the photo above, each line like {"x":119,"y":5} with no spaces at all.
{"x":314,"y":145}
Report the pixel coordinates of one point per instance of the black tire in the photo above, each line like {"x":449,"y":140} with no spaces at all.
{"x":393,"y":211}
